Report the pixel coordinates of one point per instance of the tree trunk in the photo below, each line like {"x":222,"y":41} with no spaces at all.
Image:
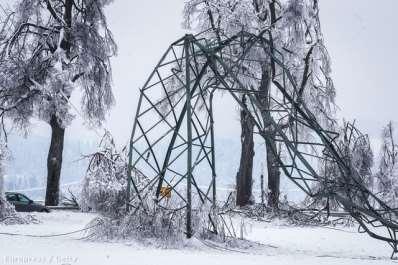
{"x":272,"y":159}
{"x":54,"y":159}
{"x":244,"y":177}
{"x":54,"y":162}
{"x":273,"y":175}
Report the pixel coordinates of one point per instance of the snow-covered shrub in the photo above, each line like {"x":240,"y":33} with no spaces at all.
{"x":163,"y":227}
{"x":6,"y":210}
{"x":387,"y":175}
{"x":148,"y":226}
{"x":104,"y":186}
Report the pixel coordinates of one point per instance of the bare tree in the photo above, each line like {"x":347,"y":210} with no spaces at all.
{"x":49,"y":49}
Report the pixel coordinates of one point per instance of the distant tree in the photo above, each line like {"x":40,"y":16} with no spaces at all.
{"x":49,"y":49}
{"x":387,"y":175}
{"x":294,"y":29}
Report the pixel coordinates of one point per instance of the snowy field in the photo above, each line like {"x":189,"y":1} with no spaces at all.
{"x":280,"y":244}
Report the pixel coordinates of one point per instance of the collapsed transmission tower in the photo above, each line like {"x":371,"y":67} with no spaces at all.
{"x":172,"y":141}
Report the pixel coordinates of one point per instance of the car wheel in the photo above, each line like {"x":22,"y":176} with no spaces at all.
{"x":44,"y":211}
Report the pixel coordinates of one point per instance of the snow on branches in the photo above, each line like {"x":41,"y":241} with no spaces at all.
{"x":49,"y":49}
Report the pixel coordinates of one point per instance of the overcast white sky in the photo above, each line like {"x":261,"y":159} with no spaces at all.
{"x":360,"y":36}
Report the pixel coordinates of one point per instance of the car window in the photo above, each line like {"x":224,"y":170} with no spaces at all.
{"x":23,"y":198}
{"x":12,"y":197}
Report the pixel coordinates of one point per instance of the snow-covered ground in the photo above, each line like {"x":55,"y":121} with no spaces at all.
{"x":281,"y":244}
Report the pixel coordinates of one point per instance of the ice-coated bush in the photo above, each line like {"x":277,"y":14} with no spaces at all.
{"x":387,"y":174}
{"x":162,"y":227}
{"x":104,"y":186}
{"x":8,"y":215}
{"x":156,"y":226}
{"x":7,"y":211}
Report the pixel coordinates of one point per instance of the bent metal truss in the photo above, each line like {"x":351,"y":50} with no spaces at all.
{"x":172,"y":141}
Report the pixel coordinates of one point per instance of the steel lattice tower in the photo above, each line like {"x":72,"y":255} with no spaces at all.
{"x":172,"y":141}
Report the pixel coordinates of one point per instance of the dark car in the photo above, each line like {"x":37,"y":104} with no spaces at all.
{"x":23,"y":204}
